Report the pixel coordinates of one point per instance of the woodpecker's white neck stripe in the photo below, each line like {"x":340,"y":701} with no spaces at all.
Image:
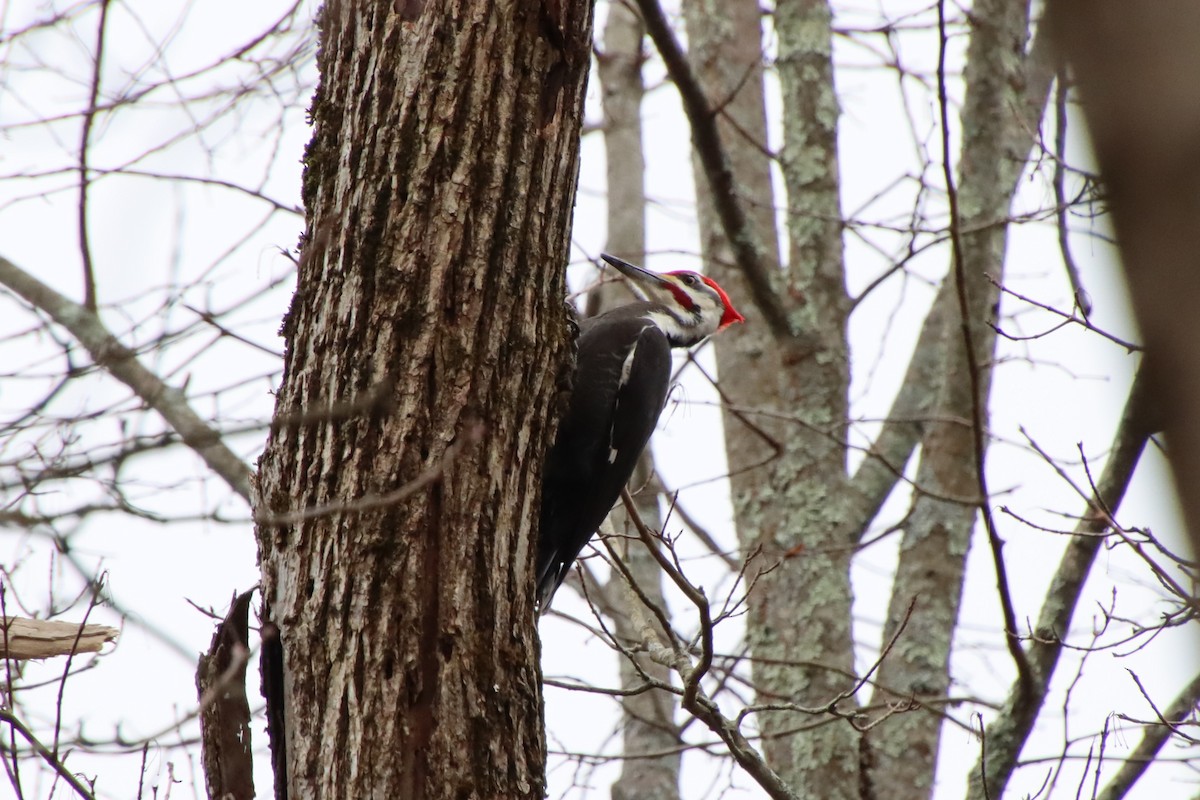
{"x":679,"y":331}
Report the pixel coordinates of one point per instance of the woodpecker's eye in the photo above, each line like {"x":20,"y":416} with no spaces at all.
{"x":689,"y":280}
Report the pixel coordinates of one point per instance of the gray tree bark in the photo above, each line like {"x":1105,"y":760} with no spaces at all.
{"x":937,"y":537}
{"x":425,"y":351}
{"x":802,"y":610}
{"x":1006,"y":97}
{"x":788,"y":484}
{"x":648,"y":724}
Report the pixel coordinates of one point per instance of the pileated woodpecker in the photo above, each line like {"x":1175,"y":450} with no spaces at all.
{"x":621,"y":378}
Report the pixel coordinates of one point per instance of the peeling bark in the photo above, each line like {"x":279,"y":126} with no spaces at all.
{"x":224,"y":708}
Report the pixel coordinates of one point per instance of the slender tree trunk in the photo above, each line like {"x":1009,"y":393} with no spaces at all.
{"x":819,"y":513}
{"x":791,"y":519}
{"x":725,"y":49}
{"x":938,"y":535}
{"x":648,"y":725}
{"x":425,"y":349}
{"x":788,"y":492}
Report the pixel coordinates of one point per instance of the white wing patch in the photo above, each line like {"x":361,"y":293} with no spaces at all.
{"x":626,"y":368}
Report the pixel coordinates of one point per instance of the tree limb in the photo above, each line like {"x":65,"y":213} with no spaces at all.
{"x":978,"y":380}
{"x":1008,"y":732}
{"x":56,"y":763}
{"x":122,"y":363}
{"x":695,"y":700}
{"x":1155,"y":736}
{"x":876,"y":477}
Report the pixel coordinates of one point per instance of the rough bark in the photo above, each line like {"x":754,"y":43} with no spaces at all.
{"x":648,"y":724}
{"x":802,"y":609}
{"x":424,"y":349}
{"x":1000,"y":121}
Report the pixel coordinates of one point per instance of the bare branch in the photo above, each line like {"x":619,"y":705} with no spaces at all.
{"x":695,"y":700}
{"x":55,"y":763}
{"x":1153,"y":739}
{"x":894,"y":445}
{"x":1008,"y":732}
{"x":121,"y":362}
{"x":85,"y":140}
{"x":978,"y":398}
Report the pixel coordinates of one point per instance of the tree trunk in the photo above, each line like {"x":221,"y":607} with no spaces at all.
{"x":788,"y":499}
{"x":1135,"y":68}
{"x":425,"y":349}
{"x":648,"y":723}
{"x":937,"y":536}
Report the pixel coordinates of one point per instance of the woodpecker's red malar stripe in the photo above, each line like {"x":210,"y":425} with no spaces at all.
{"x":731,"y":315}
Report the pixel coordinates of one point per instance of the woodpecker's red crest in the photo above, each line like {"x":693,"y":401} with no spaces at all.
{"x":693,"y":306}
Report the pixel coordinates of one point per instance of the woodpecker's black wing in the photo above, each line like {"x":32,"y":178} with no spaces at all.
{"x":621,"y":379}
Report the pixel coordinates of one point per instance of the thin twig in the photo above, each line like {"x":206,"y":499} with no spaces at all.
{"x":695,"y":700}
{"x":1153,"y":739}
{"x":123,"y":364}
{"x":85,"y":137}
{"x":1010,"y":729}
{"x":1061,"y":90}
{"x":1130,"y":347}
{"x":1011,"y":638}
{"x":14,"y":773}
{"x":693,"y":593}
{"x":983,"y":757}
{"x":62,"y":684}
{"x":39,"y":748}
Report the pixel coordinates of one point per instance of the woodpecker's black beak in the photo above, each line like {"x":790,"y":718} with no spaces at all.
{"x":635,"y":273}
